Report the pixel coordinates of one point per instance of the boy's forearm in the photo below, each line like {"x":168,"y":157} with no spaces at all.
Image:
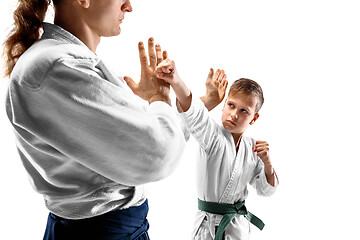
{"x":183,"y":94}
{"x":270,"y":175}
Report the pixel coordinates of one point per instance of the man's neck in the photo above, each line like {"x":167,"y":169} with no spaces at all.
{"x":79,"y":29}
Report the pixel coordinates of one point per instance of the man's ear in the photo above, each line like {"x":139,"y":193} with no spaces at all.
{"x":256,"y":116}
{"x":84,"y":3}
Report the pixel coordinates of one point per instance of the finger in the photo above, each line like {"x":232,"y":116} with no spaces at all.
{"x":221,"y":75}
{"x":261,"y":147}
{"x":130,"y":83}
{"x":164,"y":76}
{"x":167,"y":69}
{"x":159,"y":57}
{"x":262,"y":151}
{"x":225,"y":84}
{"x":162,"y":69}
{"x":166,"y":66}
{"x":163,"y":63}
{"x":142,"y":56}
{"x":165,"y":55}
{"x":211,"y":73}
{"x":210,"y":76}
{"x":217,"y":73}
{"x":152,"y":54}
{"x":223,"y":79}
{"x":262,"y":142}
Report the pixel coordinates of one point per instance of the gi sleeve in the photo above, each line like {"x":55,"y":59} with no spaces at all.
{"x":101,"y":125}
{"x":198,"y":122}
{"x":259,"y":181}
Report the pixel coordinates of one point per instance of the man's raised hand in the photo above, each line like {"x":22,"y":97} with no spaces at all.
{"x":150,"y":88}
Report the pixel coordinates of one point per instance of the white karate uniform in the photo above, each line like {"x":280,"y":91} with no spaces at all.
{"x":86,"y":141}
{"x":223,"y":174}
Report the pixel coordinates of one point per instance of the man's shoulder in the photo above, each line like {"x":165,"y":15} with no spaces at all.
{"x":35,"y":63}
{"x":47,"y":51}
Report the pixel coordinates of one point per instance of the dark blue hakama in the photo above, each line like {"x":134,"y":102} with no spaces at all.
{"x":126,"y":224}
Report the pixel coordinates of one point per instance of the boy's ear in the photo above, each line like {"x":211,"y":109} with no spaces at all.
{"x":84,"y":3}
{"x":256,"y":116}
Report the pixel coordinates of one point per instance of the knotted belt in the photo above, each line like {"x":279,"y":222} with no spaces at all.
{"x":229,"y":211}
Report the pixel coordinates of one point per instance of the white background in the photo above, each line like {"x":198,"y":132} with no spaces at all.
{"x":306,"y":56}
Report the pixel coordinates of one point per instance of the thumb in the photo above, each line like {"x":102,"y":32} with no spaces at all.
{"x":211,"y":73}
{"x":130,"y":82}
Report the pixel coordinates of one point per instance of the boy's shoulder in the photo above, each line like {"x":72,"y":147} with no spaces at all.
{"x":249,"y":141}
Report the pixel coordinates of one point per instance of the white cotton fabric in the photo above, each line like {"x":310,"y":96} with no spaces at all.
{"x":222,"y":174}
{"x":86,"y":141}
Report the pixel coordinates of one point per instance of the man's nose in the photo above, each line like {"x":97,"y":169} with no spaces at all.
{"x":126,"y":7}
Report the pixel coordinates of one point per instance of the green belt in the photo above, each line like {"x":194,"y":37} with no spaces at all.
{"x":229,"y":211}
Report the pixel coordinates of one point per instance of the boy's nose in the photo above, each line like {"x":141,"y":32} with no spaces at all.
{"x":234,"y":116}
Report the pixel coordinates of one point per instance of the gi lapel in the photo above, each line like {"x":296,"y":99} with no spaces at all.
{"x":227,"y":196}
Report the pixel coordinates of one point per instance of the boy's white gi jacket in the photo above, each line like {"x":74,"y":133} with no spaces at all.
{"x":86,"y":141}
{"x":223,"y":174}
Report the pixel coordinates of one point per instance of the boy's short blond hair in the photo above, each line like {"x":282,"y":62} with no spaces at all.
{"x":250,"y":87}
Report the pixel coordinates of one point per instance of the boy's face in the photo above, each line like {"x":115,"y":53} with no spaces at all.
{"x":239,"y":112}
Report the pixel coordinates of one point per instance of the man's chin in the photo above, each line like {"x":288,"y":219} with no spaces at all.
{"x":114,"y":33}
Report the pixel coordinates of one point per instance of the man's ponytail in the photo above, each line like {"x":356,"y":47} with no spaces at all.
{"x":28,"y":18}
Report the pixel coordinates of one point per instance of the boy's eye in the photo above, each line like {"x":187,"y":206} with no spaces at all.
{"x":243,"y":111}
